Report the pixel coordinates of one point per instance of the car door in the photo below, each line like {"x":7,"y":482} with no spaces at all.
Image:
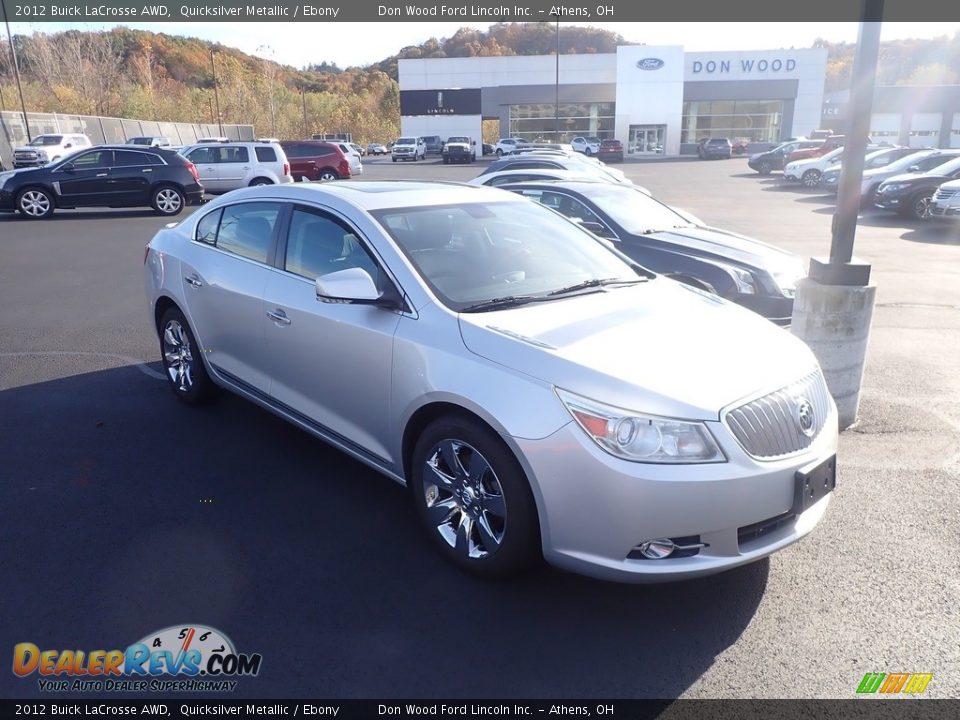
{"x":132,"y":175}
{"x":234,"y":166}
{"x":207,"y":160}
{"x":225,"y":270}
{"x":84,"y":179}
{"x":331,"y":362}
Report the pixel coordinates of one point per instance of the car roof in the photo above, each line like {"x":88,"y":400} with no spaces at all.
{"x":376,"y":195}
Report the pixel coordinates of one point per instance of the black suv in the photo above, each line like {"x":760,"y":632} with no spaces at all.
{"x":104,"y":176}
{"x":766,"y":162}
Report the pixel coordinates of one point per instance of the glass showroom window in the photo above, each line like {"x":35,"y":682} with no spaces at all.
{"x":539,"y":121}
{"x":751,"y":120}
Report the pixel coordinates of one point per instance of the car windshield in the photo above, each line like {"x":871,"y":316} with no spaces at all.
{"x":458,"y":140}
{"x":474,"y":253}
{"x":140,"y":141}
{"x":634,"y":211}
{"x":904,"y":163}
{"x":406,"y":141}
{"x":46,"y":140}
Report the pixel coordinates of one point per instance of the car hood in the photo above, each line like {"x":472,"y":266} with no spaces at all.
{"x":658,"y":347}
{"x":725,"y":245}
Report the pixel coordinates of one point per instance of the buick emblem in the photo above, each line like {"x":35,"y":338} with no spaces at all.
{"x":650,"y":63}
{"x":805,"y":417}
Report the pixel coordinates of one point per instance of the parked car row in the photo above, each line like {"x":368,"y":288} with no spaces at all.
{"x":147,"y":172}
{"x":918,"y":183}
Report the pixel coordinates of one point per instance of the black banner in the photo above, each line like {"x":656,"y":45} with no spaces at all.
{"x":440,"y":102}
{"x":868,"y":709}
{"x":39,"y":11}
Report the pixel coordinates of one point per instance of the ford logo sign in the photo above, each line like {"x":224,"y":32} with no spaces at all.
{"x":650,"y":64}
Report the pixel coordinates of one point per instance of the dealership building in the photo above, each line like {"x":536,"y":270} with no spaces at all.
{"x":654,"y":99}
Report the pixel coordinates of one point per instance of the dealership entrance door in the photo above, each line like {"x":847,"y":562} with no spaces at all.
{"x":646,"y":139}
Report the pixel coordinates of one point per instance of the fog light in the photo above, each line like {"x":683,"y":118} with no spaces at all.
{"x":657,"y":549}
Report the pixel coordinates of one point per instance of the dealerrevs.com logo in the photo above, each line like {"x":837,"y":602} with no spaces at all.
{"x":181,"y":658}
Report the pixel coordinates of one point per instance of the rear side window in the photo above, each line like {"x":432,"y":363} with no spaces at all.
{"x":245,"y":230}
{"x":233,"y":154}
{"x":126,"y":158}
{"x":266,"y":154}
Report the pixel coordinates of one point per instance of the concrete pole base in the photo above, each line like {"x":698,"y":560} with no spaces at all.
{"x":834,"y":320}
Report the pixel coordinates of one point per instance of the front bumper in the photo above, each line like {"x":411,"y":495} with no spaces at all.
{"x":596,"y":509}
{"x":889,"y":200}
{"x":939,"y":210}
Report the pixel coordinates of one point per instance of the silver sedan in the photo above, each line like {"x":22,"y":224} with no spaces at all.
{"x":540,"y":394}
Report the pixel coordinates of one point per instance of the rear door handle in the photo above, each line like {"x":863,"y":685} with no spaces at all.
{"x":279,"y":317}
{"x":193,"y":280}
{"x":102,"y":174}
{"x":147,"y":170}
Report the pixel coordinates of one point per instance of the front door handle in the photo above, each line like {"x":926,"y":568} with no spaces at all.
{"x":279,"y":317}
{"x":102,"y":174}
{"x":193,"y":280}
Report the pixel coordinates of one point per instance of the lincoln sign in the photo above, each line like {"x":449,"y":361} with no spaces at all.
{"x":746,"y":66}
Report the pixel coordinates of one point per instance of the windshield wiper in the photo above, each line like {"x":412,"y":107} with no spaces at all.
{"x":595,"y":283}
{"x":502,"y":302}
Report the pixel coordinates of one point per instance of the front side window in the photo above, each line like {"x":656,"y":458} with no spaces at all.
{"x":203,"y":156}
{"x":247,"y":229}
{"x":318,"y":245}
{"x":93,"y":160}
{"x":475,"y":252}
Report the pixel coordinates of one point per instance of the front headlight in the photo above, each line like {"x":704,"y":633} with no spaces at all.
{"x":746,"y":283}
{"x":642,"y":438}
{"x":891,"y":187}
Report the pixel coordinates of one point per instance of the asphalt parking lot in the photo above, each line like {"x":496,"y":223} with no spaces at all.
{"x":125,"y":512}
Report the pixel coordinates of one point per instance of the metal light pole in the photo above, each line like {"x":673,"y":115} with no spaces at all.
{"x":833,"y":307}
{"x":216,"y":90}
{"x":16,"y":72}
{"x":556,"y":105}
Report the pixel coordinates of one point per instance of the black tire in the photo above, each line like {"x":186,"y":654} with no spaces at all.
{"x":811,"y":178}
{"x":499,"y":152}
{"x":919,"y":206}
{"x":35,"y":203}
{"x":327,"y":175}
{"x":489,"y":545}
{"x":588,"y":152}
{"x":257,"y":182}
{"x":193,"y":385}
{"x":167,"y":200}
{"x":394,"y":159}
{"x":765,"y":167}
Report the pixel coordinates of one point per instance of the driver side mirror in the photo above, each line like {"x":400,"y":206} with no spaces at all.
{"x":354,"y":286}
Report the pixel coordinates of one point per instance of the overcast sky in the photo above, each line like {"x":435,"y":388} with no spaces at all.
{"x":348,"y":44}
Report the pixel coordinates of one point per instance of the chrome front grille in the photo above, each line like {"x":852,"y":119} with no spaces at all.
{"x":770,"y":426}
{"x":942,"y":194}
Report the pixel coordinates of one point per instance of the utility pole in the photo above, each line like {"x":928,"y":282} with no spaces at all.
{"x":556,"y":104}
{"x":303,"y":99}
{"x":16,"y":72}
{"x":268,"y":68}
{"x":833,"y":307}
{"x":216,"y":90}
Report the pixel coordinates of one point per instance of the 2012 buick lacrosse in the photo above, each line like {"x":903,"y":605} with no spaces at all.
{"x":541,"y":395}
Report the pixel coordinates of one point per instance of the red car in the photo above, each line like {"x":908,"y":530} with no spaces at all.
{"x":610,"y":151}
{"x":316,"y":160}
{"x":831,"y":143}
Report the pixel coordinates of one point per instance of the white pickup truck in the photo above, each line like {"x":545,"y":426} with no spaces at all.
{"x":48,"y":148}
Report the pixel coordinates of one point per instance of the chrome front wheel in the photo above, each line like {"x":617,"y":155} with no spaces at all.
{"x":464,"y":498}
{"x":35,"y":203}
{"x":473,"y":497}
